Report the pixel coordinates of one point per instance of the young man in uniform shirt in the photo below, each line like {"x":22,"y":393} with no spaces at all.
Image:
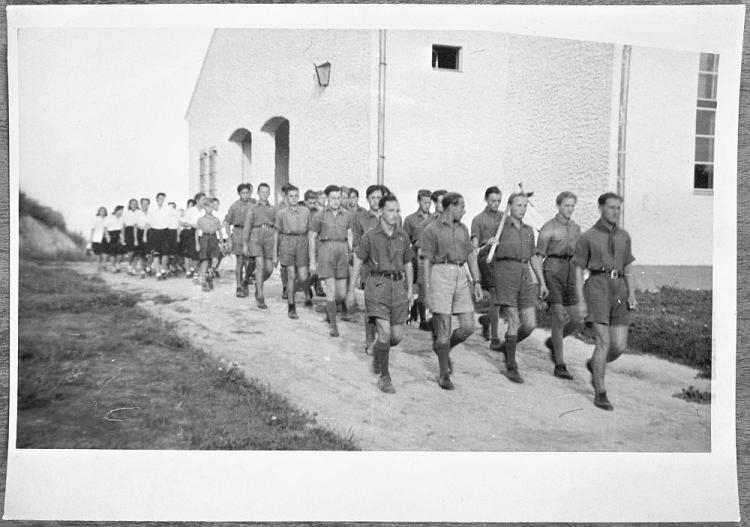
{"x":386,"y":251}
{"x":258,"y":240}
{"x":311,"y":201}
{"x":292,"y":224}
{"x":283,"y":271}
{"x":333,"y":227}
{"x":445,"y":246}
{"x":363,"y":222}
{"x":483,"y":229}
{"x":556,"y":244}
{"x":608,"y":296}
{"x":207,"y":233}
{"x":234,"y":223}
{"x":414,"y":224}
{"x":516,"y":292}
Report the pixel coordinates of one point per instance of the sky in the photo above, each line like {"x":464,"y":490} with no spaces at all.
{"x":101,"y":115}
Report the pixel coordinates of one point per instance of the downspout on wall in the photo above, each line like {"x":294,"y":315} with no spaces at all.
{"x":381,"y":108}
{"x":623,"y":126}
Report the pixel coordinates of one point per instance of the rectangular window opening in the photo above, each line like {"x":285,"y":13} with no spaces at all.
{"x":705,"y":122}
{"x":446,"y":57}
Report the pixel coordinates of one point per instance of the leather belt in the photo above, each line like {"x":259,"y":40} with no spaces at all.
{"x":521,"y":260}
{"x":560,"y":256}
{"x":264,"y":226}
{"x":610,"y":273}
{"x":294,"y":233}
{"x":393,"y":275}
{"x":332,"y":240}
{"x":239,"y":226}
{"x":446,"y":261}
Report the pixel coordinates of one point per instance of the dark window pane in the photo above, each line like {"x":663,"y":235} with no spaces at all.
{"x":707,"y":86}
{"x":704,"y":176}
{"x":445,"y":57}
{"x":709,"y":62}
{"x":704,"y":149}
{"x":705,"y":122}
{"x":702,"y":103}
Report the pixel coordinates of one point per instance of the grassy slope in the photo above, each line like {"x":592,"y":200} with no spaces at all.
{"x":85,"y":350}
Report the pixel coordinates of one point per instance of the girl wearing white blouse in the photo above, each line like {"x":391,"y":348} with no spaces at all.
{"x":97,"y":242}
{"x":115,"y":239}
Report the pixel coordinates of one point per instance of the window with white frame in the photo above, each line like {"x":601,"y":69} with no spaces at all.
{"x":203,"y":171}
{"x":212,"y":169}
{"x":705,"y":122}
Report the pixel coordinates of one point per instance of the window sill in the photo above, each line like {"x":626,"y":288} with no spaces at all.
{"x":703,"y":192}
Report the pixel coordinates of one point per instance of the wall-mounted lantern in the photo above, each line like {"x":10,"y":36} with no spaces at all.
{"x":323,"y":73}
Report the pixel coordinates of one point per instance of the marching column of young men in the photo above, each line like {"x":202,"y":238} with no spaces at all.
{"x":328,"y":237}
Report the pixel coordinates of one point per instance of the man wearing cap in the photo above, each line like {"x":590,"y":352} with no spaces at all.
{"x":516,"y":292}
{"x":445,"y":246}
{"x":483,"y":229}
{"x":386,"y":251}
{"x":234,"y":223}
{"x":414,"y":224}
{"x":258,"y":236}
{"x":607,"y":297}
{"x":556,"y":244}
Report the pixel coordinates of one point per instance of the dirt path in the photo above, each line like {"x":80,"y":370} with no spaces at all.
{"x":486,"y":412}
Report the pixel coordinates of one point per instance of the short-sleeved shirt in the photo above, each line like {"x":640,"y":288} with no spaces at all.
{"x":192,"y":215}
{"x":593,"y":249}
{"x":173,"y":219}
{"x":159,"y":216}
{"x":140,"y":219}
{"x":293,"y":220}
{"x":261,"y":213}
{"x":209,"y":224}
{"x":382,"y":252}
{"x":515,"y":241}
{"x":129,"y":217}
{"x":558,"y":237}
{"x":363,"y":222}
{"x":237,"y":213}
{"x":114,"y":223}
{"x":414,"y":225}
{"x":330,"y":225}
{"x":485,"y":224}
{"x":98,"y":226}
{"x":445,"y":240}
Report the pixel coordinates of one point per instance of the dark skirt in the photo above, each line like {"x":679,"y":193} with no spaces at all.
{"x":129,"y":239}
{"x":114,"y":247}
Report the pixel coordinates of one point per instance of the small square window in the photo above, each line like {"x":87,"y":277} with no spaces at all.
{"x":703,"y":177}
{"x":446,"y":57}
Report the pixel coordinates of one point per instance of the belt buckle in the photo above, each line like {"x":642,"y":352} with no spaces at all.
{"x":614,"y":273}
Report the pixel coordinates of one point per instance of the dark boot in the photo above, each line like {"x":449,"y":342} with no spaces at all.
{"x":422,"y":313}
{"x":293,"y":311}
{"x":443,"y":353}
{"x":382,"y":352}
{"x":331,"y":312}
{"x":511,"y":367}
{"x":484,"y":320}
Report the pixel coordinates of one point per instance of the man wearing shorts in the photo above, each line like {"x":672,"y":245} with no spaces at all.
{"x":483,"y":229}
{"x":333,"y":227}
{"x":292,"y":224}
{"x":607,"y":297}
{"x":141,"y":250}
{"x":157,"y":235}
{"x":189,"y":223}
{"x":445,"y":246}
{"x":556,"y":244}
{"x":516,"y":292}
{"x":234,"y":223}
{"x":386,"y":251}
{"x":258,"y":239}
{"x":414,"y":224}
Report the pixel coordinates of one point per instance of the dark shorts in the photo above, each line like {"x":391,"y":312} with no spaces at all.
{"x":333,"y":260}
{"x":158,"y":240}
{"x":514,"y":285}
{"x":97,"y":247}
{"x":237,"y":238}
{"x":129,"y":239}
{"x":261,"y":243}
{"x":561,"y":281}
{"x":607,"y":300}
{"x":294,"y":250}
{"x":209,"y":247}
{"x":114,"y":246}
{"x":139,"y":248}
{"x":387,"y":299}
{"x":171,"y":242}
{"x":187,"y":244}
{"x":487,"y":271}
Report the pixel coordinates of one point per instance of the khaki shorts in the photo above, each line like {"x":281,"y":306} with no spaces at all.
{"x":237,"y":237}
{"x":387,"y":299}
{"x":261,"y":243}
{"x":514,"y":285}
{"x":333,"y":258}
{"x":561,"y":282}
{"x":607,"y":300}
{"x":450,"y":290}
{"x":294,"y":250}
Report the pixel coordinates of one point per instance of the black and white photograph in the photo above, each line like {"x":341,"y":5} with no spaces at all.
{"x":363,"y":250}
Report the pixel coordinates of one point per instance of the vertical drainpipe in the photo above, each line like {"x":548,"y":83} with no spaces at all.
{"x":381,"y":108}
{"x":623,"y":126}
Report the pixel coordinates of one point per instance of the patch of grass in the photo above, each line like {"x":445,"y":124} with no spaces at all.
{"x":85,"y":350}
{"x":163,"y":299}
{"x":672,"y":323}
{"x":694,"y":395}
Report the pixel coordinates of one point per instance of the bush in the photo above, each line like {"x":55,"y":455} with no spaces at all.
{"x":46,"y":215}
